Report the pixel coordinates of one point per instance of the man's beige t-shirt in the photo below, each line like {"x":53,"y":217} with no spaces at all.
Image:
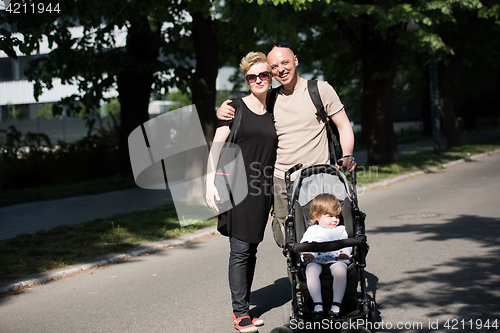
{"x":302,"y":136}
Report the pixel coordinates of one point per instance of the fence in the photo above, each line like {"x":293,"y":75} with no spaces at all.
{"x":65,"y":129}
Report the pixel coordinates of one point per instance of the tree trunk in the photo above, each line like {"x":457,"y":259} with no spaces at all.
{"x":134,"y":83}
{"x":451,"y":126}
{"x":377,"y":120}
{"x":426,"y":105}
{"x":380,"y":55}
{"x":204,"y":96}
{"x":450,"y":121}
{"x":203,"y":85}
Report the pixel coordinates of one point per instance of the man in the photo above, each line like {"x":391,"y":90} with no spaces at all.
{"x":302,"y":136}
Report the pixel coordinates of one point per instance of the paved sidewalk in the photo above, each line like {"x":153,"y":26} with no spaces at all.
{"x":35,"y":216}
{"x":45,"y":215}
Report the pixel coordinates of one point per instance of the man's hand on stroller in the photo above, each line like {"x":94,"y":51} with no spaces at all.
{"x":347,"y":162}
{"x":308,"y":257}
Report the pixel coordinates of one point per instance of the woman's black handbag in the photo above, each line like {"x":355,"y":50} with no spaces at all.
{"x":230,"y":176}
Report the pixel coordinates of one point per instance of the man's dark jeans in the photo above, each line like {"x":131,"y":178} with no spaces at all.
{"x":242,"y":260}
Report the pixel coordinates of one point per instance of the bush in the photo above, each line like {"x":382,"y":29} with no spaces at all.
{"x":33,"y":160}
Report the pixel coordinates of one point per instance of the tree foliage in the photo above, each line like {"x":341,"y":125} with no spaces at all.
{"x":379,"y":33}
{"x":93,"y":58}
{"x":144,"y":47}
{"x":133,"y":46}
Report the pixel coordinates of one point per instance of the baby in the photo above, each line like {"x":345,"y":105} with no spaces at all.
{"x":325,"y":217}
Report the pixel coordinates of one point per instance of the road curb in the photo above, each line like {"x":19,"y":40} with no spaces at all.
{"x":33,"y":280}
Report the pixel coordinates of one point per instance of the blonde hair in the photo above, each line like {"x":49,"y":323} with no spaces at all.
{"x":323,"y":204}
{"x":251,"y":59}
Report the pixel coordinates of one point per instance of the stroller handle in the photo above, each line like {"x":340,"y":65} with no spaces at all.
{"x":328,"y":246}
{"x":289,"y":172}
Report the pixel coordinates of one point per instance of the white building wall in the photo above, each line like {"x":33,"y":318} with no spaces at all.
{"x":21,"y":92}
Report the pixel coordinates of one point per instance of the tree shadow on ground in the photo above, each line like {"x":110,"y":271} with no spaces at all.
{"x":484,"y":230}
{"x":469,"y":281}
{"x":279,"y":294}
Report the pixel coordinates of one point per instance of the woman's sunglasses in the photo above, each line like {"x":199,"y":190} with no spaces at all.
{"x":263,"y":76}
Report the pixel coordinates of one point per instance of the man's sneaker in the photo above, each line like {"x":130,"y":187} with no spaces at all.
{"x":244,"y":324}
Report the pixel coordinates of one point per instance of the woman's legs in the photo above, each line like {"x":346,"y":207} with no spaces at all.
{"x":313,"y":270}
{"x":242,"y":259}
{"x":339,"y":272}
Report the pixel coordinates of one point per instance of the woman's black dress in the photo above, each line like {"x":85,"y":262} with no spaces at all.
{"x":257,"y":140}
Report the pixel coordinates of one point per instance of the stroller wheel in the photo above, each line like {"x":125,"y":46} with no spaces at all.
{"x":372,"y":312}
{"x":281,"y":329}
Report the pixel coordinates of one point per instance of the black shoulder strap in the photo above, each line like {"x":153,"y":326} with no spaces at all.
{"x":312,"y":86}
{"x":334,"y":146}
{"x":271,"y":99}
{"x":235,"y":126}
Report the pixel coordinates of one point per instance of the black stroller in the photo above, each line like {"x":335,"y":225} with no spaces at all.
{"x":357,"y":310}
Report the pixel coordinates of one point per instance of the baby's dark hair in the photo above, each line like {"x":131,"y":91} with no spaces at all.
{"x":323,"y":204}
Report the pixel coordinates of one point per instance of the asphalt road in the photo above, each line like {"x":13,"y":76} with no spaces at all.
{"x":434,"y":258}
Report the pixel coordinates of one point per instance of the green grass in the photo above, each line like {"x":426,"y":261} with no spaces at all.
{"x":66,"y":245}
{"x":65,"y":190}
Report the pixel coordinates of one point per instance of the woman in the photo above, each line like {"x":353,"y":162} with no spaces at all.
{"x":246,"y":222}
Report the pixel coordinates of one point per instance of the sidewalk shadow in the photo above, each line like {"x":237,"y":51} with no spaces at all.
{"x":371,"y":290}
{"x":467,"y":279}
{"x":271,"y":297}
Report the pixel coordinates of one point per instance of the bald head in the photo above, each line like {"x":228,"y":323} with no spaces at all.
{"x":284,"y":64}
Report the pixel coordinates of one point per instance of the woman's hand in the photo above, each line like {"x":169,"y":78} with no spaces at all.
{"x":211,"y":196}
{"x":308,"y":257}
